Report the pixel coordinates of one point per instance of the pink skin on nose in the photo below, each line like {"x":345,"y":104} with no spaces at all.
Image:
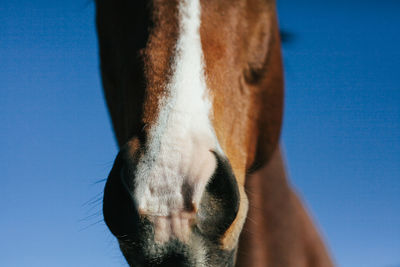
{"x":178,"y":222}
{"x":177,"y":225}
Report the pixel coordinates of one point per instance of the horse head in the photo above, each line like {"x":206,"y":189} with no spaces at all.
{"x":195,"y":93}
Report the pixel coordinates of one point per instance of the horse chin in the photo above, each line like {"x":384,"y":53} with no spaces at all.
{"x":176,"y":254}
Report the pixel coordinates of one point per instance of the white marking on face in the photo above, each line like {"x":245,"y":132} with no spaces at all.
{"x":178,"y":161}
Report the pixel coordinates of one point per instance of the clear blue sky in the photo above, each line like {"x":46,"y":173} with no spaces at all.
{"x":341,"y":133}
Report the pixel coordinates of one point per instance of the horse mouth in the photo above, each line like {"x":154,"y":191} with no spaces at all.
{"x":176,"y":254}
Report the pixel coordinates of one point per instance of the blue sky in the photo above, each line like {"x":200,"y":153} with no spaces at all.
{"x":341,"y":131}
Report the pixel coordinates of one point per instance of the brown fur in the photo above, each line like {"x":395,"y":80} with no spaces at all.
{"x":278,"y":231}
{"x":240,"y":40}
{"x":245,"y":79}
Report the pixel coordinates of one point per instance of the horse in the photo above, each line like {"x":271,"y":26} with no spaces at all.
{"x":195,"y":93}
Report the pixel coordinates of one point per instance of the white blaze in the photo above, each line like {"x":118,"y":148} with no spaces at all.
{"x":178,"y":161}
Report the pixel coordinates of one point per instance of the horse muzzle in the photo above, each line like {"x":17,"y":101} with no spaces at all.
{"x":190,"y":236}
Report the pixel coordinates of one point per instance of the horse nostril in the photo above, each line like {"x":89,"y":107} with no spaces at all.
{"x":220,"y":202}
{"x":119,"y":211}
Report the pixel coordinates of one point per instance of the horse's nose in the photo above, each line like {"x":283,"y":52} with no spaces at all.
{"x":146,"y":239}
{"x":218,"y":207}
